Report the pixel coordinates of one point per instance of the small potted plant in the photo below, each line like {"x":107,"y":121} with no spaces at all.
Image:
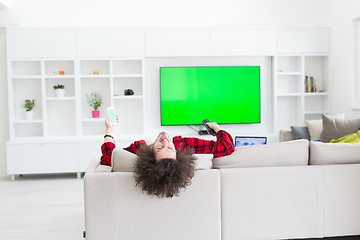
{"x":59,"y":90}
{"x":29,"y":105}
{"x":94,"y":99}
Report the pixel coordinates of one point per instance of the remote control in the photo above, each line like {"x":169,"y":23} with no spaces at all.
{"x":209,"y":129}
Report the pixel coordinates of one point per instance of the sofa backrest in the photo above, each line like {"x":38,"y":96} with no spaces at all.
{"x":334,"y":153}
{"x":291,"y":153}
{"x":286,"y":136}
{"x":124,"y":161}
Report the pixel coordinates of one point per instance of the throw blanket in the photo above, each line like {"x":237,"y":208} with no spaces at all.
{"x":351,"y":138}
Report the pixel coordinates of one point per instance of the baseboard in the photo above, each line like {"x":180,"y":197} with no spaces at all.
{"x":353,"y":237}
{"x":3,"y":172}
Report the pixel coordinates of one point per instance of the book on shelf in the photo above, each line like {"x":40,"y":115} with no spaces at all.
{"x":310,"y":85}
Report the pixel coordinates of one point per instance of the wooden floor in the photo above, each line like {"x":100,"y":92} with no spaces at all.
{"x":42,"y":207}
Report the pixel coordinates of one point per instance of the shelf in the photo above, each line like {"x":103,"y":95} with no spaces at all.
{"x":315,"y":112}
{"x":25,"y":68}
{"x":28,"y":121}
{"x":59,"y":76}
{"x":315,"y":94}
{"x":95,"y":75}
{"x":289,"y":64}
{"x":93,"y":120}
{"x":26,"y":77}
{"x":289,"y":89}
{"x":127,"y":97}
{"x":127,"y":66}
{"x":289,"y":73}
{"x":90,"y":66}
{"x":289,"y":95}
{"x":127,"y":75}
{"x":70,"y":116}
{"x":60,"y":99}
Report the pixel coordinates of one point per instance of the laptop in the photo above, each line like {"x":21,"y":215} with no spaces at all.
{"x":248,"y":141}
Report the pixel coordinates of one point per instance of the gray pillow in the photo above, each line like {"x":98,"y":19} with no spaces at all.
{"x":300,"y":132}
{"x":334,"y":128}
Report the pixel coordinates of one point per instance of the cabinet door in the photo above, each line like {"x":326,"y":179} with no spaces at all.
{"x":235,"y":42}
{"x":177,"y":42}
{"x":41,"y":158}
{"x":303,"y":41}
{"x":87,"y":152}
{"x":110,"y":42}
{"x":34,"y":43}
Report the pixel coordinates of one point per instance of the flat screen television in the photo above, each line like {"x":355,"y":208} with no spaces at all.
{"x":226,"y":95}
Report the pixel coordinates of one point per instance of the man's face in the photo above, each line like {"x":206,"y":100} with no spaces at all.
{"x":164,"y":147}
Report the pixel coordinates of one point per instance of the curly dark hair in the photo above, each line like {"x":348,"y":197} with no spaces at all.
{"x":166,"y":178}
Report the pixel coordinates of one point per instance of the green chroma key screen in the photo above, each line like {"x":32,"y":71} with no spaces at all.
{"x":221,"y":94}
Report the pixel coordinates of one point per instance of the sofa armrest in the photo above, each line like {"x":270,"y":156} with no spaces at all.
{"x":95,"y":166}
{"x":99,"y":205}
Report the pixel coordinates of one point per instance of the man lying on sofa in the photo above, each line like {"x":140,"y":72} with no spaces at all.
{"x":167,"y":165}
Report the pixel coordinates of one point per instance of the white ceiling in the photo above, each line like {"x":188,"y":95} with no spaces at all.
{"x":2,"y":6}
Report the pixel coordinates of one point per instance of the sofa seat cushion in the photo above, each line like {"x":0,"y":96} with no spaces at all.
{"x":334,"y":153}
{"x":123,"y":161}
{"x":291,"y":153}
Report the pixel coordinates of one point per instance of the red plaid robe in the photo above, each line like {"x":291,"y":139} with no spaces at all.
{"x":223,"y":146}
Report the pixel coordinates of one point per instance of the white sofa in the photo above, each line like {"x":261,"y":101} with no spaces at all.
{"x":258,"y":192}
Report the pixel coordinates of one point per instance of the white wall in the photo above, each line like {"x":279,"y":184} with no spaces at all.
{"x":342,"y":55}
{"x":152,"y":106}
{"x":164,"y":12}
{"x":4,"y":122}
{"x":156,"y":13}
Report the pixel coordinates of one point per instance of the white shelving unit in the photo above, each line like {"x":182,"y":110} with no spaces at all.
{"x":292,"y":105}
{"x":71,"y":115}
{"x":128,"y":75}
{"x":58,"y":120}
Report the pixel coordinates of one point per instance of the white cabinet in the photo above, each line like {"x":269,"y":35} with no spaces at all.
{"x":177,"y":42}
{"x":87,"y":152}
{"x":40,"y":42}
{"x":293,"y":100}
{"x":41,"y":158}
{"x":312,"y":41}
{"x":239,"y":42}
{"x":110,"y":42}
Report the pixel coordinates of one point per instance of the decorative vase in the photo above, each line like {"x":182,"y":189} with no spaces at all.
{"x":60,"y":93}
{"x":95,"y":114}
{"x":29,"y":115}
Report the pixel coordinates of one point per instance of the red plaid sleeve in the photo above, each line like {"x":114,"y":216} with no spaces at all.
{"x":134,"y":147}
{"x":223,"y":146}
{"x":108,"y":147}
